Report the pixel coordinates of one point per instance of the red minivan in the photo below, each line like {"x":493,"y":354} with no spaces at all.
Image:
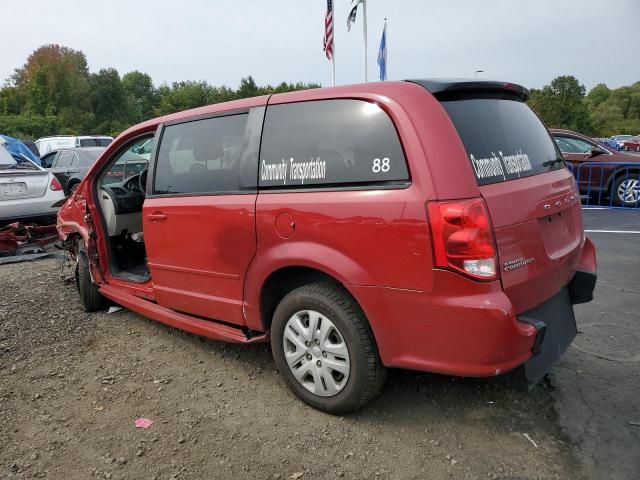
{"x":428,"y":225}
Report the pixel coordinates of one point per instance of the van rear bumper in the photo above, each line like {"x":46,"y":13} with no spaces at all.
{"x":466,"y":328}
{"x":460,"y":327}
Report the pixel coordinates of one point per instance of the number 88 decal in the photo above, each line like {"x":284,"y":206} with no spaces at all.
{"x":381,"y":165}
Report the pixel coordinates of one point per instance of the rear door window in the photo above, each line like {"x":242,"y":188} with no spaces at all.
{"x":504,"y":139}
{"x":330,"y":143}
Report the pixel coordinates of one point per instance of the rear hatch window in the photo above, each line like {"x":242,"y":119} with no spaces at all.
{"x":531,"y":198}
{"x":504,"y":139}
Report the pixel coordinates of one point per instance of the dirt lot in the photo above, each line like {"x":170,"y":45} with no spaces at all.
{"x":72,"y":384}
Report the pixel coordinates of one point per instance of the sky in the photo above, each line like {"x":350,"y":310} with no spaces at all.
{"x":529,"y":42}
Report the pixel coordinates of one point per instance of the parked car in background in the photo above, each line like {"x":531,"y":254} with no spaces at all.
{"x":47,"y":144}
{"x":607,"y":142}
{"x":31,"y":145}
{"x":27,"y":191}
{"x":70,"y":165}
{"x":619,"y":139}
{"x":428,"y":225}
{"x":18,"y":147}
{"x":612,"y":179}
{"x":631,"y":144}
{"x":133,"y":161}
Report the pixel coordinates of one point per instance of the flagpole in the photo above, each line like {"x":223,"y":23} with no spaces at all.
{"x":364,"y":32}
{"x":333,"y":68}
{"x":386,"y":48}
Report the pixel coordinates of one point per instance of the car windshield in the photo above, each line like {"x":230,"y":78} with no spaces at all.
{"x":95,"y":142}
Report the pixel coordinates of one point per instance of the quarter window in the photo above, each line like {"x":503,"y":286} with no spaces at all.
{"x":211,"y":155}
{"x":330,"y":143}
{"x":64,"y":159}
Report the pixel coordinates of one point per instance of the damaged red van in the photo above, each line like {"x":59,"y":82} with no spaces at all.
{"x":428,"y":225}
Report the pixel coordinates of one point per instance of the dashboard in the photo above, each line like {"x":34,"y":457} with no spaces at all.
{"x":127,"y":196}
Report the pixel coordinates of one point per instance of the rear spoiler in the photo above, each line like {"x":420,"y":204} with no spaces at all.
{"x":450,"y":89}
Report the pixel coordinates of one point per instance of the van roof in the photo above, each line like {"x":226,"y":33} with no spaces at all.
{"x":439,"y":87}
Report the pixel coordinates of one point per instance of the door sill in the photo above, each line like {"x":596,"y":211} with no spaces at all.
{"x":204,"y":328}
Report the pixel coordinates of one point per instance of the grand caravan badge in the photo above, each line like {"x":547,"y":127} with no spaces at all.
{"x":517,"y":263}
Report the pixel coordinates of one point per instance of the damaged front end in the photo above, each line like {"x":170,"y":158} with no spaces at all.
{"x":19,"y":240}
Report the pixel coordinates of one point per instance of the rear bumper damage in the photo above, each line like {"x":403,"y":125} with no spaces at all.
{"x":555,"y":325}
{"x":453,"y":331}
{"x":554,"y":319}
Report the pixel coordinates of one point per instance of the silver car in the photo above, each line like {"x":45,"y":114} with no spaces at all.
{"x":27,"y":191}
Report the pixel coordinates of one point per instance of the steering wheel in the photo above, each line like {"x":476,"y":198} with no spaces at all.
{"x":142,"y":180}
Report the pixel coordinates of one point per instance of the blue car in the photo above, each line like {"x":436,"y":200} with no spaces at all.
{"x":607,"y":142}
{"x":619,"y":140}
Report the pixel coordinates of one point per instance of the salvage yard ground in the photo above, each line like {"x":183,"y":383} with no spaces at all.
{"x":72,"y":384}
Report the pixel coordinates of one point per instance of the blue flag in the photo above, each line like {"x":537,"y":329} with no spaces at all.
{"x":382,"y":54}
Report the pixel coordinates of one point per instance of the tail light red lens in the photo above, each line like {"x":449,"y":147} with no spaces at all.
{"x":55,"y":185}
{"x":463,"y":238}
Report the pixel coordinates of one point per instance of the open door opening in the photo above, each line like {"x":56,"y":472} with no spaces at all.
{"x":121,"y":191}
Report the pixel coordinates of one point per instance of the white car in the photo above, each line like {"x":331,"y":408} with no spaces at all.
{"x":27,"y":191}
{"x":47,"y":144}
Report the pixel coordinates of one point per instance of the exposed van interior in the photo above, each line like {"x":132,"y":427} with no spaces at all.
{"x":121,"y":193}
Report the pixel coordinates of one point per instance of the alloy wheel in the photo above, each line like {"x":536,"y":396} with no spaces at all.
{"x":629,"y":191}
{"x":316,"y":353}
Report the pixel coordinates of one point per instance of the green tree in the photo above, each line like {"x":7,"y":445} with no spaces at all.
{"x":108,"y":100}
{"x":598,"y":94}
{"x":562,"y":104}
{"x":182,"y":96}
{"x":142,"y":96}
{"x":248,"y":88}
{"x":53,"y":80}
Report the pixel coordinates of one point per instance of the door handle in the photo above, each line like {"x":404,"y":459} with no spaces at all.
{"x":157,"y":217}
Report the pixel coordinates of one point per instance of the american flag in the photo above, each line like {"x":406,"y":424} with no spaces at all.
{"x":328,"y":31}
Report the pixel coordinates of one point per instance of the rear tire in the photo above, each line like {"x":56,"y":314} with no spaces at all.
{"x":361,"y":374}
{"x":90,"y":297}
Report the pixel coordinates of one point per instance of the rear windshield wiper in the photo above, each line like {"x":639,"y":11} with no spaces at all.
{"x":551,"y":163}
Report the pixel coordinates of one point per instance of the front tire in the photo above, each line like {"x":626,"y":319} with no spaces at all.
{"x":626,"y":190}
{"x":324,"y":348}
{"x":90,"y":297}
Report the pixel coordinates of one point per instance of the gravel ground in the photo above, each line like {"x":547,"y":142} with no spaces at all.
{"x":72,"y":384}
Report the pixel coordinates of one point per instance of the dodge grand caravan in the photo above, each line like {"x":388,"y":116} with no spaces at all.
{"x":428,"y":225}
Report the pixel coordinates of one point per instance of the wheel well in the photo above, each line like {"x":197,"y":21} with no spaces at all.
{"x":616,"y":173}
{"x":283,"y":281}
{"x":70,"y":244}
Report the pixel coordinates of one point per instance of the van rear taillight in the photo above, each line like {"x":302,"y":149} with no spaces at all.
{"x":463,"y":239}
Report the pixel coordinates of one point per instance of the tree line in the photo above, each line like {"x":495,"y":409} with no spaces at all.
{"x":602,"y":112}
{"x":54,"y":93}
